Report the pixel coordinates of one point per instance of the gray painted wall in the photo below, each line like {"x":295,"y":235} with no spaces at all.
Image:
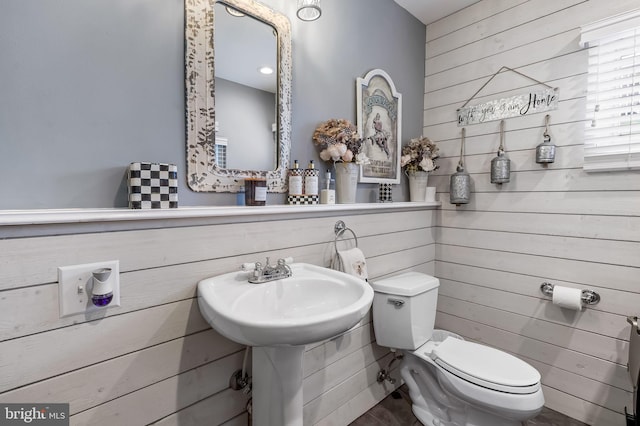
{"x":88,"y":87}
{"x":245,"y":117}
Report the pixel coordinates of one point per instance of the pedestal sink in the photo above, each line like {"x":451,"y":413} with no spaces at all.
{"x":278,"y":318}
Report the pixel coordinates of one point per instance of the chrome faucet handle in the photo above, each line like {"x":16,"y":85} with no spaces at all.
{"x":283,"y":266}
{"x":248,"y":266}
{"x":285,"y":261}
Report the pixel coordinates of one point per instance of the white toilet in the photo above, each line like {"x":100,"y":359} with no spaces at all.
{"x":452,"y":382}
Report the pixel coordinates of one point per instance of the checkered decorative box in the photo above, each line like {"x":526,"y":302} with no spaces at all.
{"x":385,"y":191}
{"x":153,"y":186}
{"x":303,"y":200}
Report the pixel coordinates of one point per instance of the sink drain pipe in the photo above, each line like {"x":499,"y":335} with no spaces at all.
{"x":240,"y":379}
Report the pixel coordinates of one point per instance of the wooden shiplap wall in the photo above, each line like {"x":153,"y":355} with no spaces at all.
{"x":550,"y":223}
{"x":154,"y":360}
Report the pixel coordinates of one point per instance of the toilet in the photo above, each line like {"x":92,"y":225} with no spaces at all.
{"x":452,"y":382}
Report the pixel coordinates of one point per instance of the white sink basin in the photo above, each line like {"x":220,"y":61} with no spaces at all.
{"x":314,"y":304}
{"x":278,"y":318}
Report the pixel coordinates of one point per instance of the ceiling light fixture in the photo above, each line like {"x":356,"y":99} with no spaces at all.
{"x":266,"y":70}
{"x":309,"y":10}
{"x":233,"y":12}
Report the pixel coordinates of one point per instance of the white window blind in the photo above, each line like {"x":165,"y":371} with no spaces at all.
{"x":220,"y":151}
{"x":612,"y":134}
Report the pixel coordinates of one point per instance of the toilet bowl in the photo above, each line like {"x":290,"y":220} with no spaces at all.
{"x":452,"y":382}
{"x":478,"y":385}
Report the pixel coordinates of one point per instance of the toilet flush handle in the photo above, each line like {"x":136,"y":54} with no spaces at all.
{"x":396,"y":302}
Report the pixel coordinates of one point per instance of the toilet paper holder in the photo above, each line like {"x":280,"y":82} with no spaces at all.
{"x":588,"y":297}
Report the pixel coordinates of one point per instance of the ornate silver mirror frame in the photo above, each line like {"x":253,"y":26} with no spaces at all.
{"x":203,"y":174}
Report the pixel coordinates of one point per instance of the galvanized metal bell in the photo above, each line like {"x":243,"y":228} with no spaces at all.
{"x":546,"y":151}
{"x":500,"y":168}
{"x":460,"y":181}
{"x":460,"y":186}
{"x":500,"y":165}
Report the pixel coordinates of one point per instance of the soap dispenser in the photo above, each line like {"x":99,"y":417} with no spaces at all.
{"x":295,"y":179}
{"x":311,"y":180}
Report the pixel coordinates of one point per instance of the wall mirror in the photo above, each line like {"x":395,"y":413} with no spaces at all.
{"x":238,"y":120}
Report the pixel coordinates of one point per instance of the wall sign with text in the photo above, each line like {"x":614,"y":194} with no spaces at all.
{"x":516,"y":106}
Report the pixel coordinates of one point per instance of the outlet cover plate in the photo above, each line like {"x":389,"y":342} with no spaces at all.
{"x":75,"y":283}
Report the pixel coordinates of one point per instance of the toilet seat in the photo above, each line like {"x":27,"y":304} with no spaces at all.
{"x":483,"y":366}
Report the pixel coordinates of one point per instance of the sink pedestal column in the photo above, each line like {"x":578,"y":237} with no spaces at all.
{"x":277,"y":385}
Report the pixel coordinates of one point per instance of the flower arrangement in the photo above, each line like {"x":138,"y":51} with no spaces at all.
{"x":419,"y":155}
{"x":338,"y":140}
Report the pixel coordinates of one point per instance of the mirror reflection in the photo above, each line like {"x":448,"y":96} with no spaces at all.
{"x":245,"y":58}
{"x":230,"y":107}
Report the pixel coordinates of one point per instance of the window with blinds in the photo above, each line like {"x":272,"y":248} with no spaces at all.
{"x":612,"y":134}
{"x":220,"y":152}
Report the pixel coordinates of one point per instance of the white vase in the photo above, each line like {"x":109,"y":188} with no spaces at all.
{"x":346,"y":182}
{"x":418,"y":185}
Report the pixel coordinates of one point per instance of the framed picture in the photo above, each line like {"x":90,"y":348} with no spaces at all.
{"x":379,"y":124}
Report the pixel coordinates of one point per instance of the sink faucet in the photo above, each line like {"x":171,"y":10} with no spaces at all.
{"x":263,"y":274}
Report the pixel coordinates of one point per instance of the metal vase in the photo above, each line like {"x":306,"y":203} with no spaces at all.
{"x":500,"y":168}
{"x":460,"y":187}
{"x":546,"y":151}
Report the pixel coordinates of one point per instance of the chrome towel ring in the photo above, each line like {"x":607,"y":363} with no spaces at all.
{"x":340,"y":228}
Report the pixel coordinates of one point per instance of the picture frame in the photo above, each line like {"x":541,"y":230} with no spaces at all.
{"x":379,"y":116}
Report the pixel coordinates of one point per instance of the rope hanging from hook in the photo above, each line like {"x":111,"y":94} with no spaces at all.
{"x":546,"y":125}
{"x":460,"y":161}
{"x":501,"y":147}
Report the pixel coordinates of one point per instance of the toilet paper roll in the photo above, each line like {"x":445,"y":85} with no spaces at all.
{"x":566,"y":297}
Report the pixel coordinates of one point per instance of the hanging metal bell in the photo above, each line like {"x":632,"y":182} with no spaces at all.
{"x":546,"y":151}
{"x":500,"y":168}
{"x":459,"y":187}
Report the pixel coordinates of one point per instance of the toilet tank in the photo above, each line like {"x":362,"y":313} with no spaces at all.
{"x":404,"y":309}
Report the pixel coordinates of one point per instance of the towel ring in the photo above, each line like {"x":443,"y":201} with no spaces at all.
{"x":340,"y":228}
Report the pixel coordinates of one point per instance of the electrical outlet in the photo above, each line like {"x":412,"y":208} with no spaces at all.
{"x":75,"y":283}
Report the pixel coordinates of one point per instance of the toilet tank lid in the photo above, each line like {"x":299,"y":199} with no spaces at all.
{"x":405,"y":284}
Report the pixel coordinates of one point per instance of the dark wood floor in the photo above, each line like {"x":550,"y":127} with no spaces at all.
{"x":396,"y":411}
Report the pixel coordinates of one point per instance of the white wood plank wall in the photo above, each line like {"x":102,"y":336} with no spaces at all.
{"x":154,"y":359}
{"x":552,"y":223}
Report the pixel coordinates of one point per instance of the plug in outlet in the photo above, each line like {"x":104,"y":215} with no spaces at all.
{"x":76,"y":284}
